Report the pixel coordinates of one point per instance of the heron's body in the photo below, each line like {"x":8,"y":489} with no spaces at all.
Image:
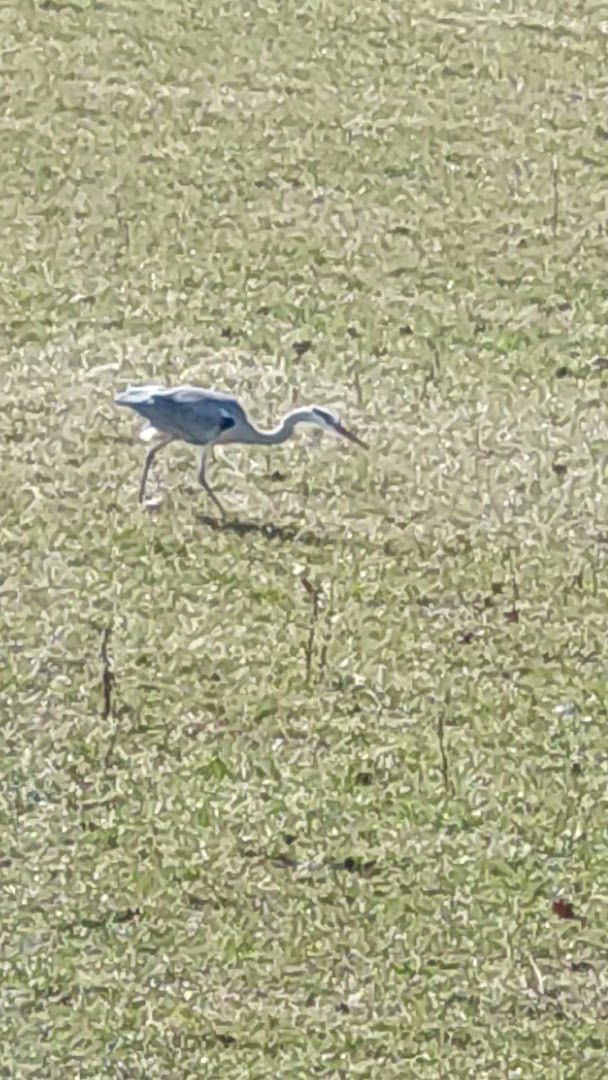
{"x":186,"y":413}
{"x":207,"y":417}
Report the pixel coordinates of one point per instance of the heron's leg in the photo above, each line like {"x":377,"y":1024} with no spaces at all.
{"x":203,"y":482}
{"x":152,"y":452}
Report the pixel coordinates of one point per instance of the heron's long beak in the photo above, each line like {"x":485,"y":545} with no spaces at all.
{"x":350,"y":435}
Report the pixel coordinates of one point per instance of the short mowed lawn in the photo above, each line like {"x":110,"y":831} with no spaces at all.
{"x":320,"y":792}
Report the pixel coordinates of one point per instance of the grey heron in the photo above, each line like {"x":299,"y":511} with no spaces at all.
{"x":207,"y":418}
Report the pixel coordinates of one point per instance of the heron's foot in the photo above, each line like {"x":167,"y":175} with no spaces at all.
{"x":214,"y":499}
{"x":218,"y":517}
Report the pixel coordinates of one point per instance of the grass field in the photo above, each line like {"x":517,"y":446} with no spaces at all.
{"x":353,"y":745}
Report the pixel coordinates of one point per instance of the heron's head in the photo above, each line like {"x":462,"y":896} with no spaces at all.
{"x":328,"y":420}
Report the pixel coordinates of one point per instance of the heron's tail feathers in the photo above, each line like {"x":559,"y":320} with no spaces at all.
{"x":149,"y":433}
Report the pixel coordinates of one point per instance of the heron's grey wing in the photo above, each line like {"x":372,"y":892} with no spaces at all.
{"x":137,"y":395}
{"x":141,"y":395}
{"x":186,"y":412}
{"x":195,"y":395}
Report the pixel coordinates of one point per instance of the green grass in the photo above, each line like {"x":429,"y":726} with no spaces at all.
{"x":305,"y":847}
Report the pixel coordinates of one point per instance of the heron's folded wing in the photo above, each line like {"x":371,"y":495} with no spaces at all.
{"x":198,"y":421}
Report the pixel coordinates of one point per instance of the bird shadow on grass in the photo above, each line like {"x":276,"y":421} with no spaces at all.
{"x":282,"y":533}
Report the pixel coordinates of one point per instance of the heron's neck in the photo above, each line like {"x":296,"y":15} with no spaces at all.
{"x":281,"y":433}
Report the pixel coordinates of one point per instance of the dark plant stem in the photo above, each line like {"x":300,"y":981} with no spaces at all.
{"x":314,"y":593}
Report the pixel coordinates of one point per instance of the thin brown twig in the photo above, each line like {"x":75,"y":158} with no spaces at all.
{"x":445,"y":768}
{"x":326,"y":636}
{"x":555,"y":186}
{"x":436,"y":364}
{"x":107,"y":674}
{"x":314,"y":593}
{"x":107,"y":687}
{"x":357,"y":384}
